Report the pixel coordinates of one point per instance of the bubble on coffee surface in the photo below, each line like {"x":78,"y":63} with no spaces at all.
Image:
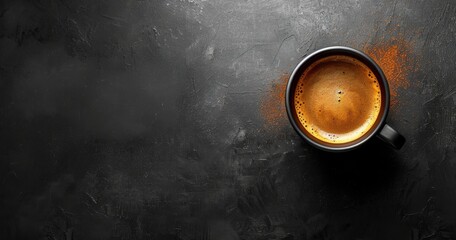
{"x":348,"y":103}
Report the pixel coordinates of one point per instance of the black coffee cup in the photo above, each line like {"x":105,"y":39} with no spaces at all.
{"x":379,"y":127}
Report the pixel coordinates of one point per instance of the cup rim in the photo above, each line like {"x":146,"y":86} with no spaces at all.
{"x":334,"y":50}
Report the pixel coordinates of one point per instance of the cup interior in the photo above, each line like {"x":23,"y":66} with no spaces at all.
{"x":291,"y":88}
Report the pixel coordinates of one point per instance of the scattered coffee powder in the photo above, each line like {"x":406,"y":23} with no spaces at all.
{"x":395,"y":59}
{"x":272,"y":105}
{"x":394,"y":56}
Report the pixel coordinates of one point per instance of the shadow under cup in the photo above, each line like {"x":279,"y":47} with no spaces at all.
{"x":378,"y":128}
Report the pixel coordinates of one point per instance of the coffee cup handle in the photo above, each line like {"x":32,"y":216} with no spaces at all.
{"x":391,"y":136}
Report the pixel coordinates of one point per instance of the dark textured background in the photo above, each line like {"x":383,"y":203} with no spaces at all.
{"x":141,"y":120}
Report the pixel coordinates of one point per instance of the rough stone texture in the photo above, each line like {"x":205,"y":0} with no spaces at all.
{"x":124,"y":119}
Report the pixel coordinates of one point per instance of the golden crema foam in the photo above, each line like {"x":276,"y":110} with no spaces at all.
{"x":337,"y":99}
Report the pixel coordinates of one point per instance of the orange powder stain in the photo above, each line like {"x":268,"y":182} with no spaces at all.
{"x":396,"y":60}
{"x":272,"y":105}
{"x":395,"y":57}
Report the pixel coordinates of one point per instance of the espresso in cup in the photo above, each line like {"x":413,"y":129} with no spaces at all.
{"x":337,"y":99}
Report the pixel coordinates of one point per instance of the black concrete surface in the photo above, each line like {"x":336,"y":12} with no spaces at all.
{"x":141,"y":120}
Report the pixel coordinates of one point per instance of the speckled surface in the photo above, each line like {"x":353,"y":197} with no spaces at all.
{"x":143,"y":120}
